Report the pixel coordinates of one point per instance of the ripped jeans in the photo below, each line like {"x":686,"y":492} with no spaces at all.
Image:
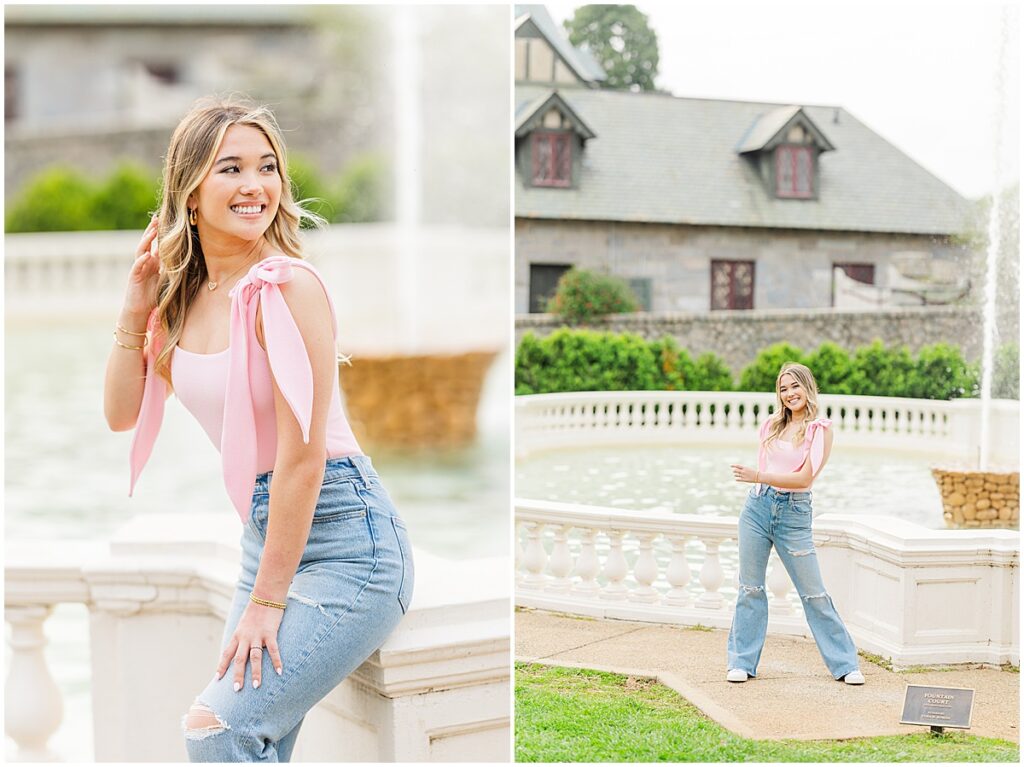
{"x":783,"y":519}
{"x":352,"y":587}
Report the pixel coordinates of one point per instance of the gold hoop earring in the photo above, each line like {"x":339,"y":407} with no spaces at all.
{"x":192,"y":217}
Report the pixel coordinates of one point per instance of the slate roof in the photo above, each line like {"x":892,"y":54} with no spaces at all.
{"x":770,"y":124}
{"x":661,"y":159}
{"x":578,"y":59}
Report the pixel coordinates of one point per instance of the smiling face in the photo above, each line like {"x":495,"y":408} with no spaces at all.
{"x":792,"y":394}
{"x":239,"y":197}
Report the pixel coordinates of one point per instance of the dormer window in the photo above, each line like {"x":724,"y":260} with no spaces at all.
{"x":552,"y":158}
{"x":794,"y":171}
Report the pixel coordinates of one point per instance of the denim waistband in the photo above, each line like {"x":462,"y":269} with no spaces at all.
{"x":797,"y":495}
{"x":334,"y":468}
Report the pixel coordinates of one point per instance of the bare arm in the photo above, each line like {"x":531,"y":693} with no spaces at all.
{"x":125,"y":379}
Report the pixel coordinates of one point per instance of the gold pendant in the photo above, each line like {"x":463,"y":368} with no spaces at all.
{"x":211,"y":286}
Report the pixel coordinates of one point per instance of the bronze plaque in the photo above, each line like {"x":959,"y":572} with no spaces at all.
{"x":938,"y":706}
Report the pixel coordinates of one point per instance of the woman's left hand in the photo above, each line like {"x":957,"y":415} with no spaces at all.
{"x":743,"y":473}
{"x":256,"y":629}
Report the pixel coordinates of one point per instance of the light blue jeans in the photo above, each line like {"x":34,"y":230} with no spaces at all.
{"x":783,"y":519}
{"x":352,"y":587}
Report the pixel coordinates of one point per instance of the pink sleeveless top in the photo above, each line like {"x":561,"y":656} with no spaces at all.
{"x":230,"y":392}
{"x":783,"y":457}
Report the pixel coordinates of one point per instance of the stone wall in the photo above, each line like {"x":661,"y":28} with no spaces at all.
{"x":738,"y":336}
{"x":793,"y":268}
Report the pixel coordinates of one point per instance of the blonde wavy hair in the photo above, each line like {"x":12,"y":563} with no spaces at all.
{"x":783,"y":417}
{"x":190,"y":156}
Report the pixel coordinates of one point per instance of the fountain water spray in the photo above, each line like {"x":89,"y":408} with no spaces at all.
{"x":995,"y":219}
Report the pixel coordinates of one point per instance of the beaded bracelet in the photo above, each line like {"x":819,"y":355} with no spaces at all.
{"x":266,"y":602}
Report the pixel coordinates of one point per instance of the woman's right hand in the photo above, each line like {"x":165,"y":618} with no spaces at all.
{"x":141,"y":295}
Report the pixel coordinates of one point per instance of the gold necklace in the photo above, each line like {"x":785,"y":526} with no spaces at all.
{"x":211,"y":285}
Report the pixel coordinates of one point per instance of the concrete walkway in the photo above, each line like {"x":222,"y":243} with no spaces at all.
{"x":793,"y":696}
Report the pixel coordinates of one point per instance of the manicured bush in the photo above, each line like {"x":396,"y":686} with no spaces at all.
{"x":880,"y":372}
{"x":940,"y":372}
{"x":359,"y":194}
{"x":832,"y":368}
{"x":675,"y":365}
{"x":126,"y":199}
{"x":711,"y":374}
{"x":1006,"y":376}
{"x":309,"y":188}
{"x":55,"y":200}
{"x":760,"y":375}
{"x":582,"y":296}
{"x":585,"y":360}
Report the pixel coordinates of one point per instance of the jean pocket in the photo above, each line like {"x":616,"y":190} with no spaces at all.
{"x":408,"y":569}
{"x":338,"y":502}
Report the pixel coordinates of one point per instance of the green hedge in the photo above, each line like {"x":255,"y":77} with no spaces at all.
{"x":586,"y":360}
{"x":582,"y":296}
{"x":60,"y":199}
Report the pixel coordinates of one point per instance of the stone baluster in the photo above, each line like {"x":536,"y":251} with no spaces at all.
{"x":678,"y":573}
{"x":587,"y":566}
{"x":560,"y":562}
{"x":645,"y":571}
{"x":711,"y":575}
{"x":535,"y":557}
{"x":779,"y":583}
{"x":614,"y":568}
{"x":520,"y":552}
{"x":33,"y":707}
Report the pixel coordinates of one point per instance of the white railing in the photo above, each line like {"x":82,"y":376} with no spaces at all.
{"x":437,"y":690}
{"x":906,"y":592}
{"x":946,"y":429}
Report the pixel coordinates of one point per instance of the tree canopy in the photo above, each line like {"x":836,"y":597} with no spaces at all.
{"x":621,"y":40}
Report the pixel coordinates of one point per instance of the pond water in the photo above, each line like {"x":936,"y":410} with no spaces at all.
{"x":692,"y":480}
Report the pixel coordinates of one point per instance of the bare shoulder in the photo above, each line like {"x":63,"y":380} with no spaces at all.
{"x":304,"y":293}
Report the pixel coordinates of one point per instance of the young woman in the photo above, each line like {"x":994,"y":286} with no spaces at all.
{"x":220,"y":305}
{"x":795,"y":446}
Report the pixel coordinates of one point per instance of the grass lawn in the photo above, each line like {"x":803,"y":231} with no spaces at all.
{"x":573,"y":715}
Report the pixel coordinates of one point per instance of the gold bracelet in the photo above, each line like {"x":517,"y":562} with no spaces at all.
{"x":129,"y":332}
{"x":126,"y":346}
{"x":266,"y":602}
{"x":757,"y":478}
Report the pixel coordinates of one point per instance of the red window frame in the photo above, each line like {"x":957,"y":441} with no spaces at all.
{"x":733,"y":300}
{"x":549,"y":171}
{"x":790,"y":155}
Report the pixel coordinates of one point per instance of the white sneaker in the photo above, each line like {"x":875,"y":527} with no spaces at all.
{"x":854,"y":677}
{"x":738,"y":675}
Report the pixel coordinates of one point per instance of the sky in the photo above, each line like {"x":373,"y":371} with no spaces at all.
{"x":923,"y":75}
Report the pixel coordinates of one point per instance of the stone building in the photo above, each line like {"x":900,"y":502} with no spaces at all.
{"x":705,"y":204}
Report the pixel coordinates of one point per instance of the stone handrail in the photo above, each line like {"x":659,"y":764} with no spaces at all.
{"x":908,"y":593}
{"x":437,"y":689}
{"x":944,"y":429}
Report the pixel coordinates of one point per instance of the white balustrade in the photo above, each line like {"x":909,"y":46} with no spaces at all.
{"x":931,"y":427}
{"x":33,"y":708}
{"x":780,"y":585}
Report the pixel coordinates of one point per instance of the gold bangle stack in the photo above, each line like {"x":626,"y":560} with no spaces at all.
{"x":266,"y":602}
{"x":131,"y":333}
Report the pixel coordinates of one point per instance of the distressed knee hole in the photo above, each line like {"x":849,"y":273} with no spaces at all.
{"x":202,"y":722}
{"x":822,"y":595}
{"x":804,"y":553}
{"x":751,"y":589}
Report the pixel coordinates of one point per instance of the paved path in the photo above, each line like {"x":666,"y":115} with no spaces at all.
{"x":793,"y":695}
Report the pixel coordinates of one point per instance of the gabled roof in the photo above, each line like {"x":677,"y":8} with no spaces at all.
{"x":529,"y":115}
{"x":770,"y":129}
{"x":581,"y":62}
{"x":662,"y":159}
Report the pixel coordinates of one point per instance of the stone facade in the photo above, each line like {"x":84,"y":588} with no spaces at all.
{"x":738,"y":336}
{"x":793,"y":268}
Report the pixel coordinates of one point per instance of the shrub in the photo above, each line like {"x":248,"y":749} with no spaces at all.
{"x":583,"y":296}
{"x":832,"y":368}
{"x":1006,"y":376}
{"x":880,"y":372}
{"x":940,"y":372}
{"x":55,"y":200}
{"x":583,"y":360}
{"x":358,"y":195}
{"x":308,"y":188}
{"x":760,"y":375}
{"x":711,"y":374}
{"x":127,"y":198}
{"x":676,"y":368}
